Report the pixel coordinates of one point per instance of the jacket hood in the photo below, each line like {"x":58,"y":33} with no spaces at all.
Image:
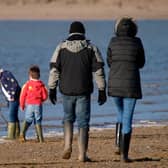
{"x":75,"y":45}
{"x":36,"y":83}
{"x":126,"y":27}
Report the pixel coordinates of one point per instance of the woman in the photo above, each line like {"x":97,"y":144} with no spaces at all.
{"x":125,"y":56}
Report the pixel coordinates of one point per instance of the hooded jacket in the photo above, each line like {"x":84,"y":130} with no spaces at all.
{"x":73,"y":63}
{"x":33,"y":92}
{"x":9,"y":85}
{"x":125,"y":56}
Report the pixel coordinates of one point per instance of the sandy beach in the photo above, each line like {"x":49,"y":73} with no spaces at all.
{"x":82,"y":9}
{"x":149,"y":145}
{"x":149,"y":149}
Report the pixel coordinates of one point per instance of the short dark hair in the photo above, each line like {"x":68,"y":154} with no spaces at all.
{"x":34,"y":71}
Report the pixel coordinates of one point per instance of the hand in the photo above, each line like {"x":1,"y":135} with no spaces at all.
{"x":102,"y":97}
{"x":22,"y":108}
{"x":52,"y":96}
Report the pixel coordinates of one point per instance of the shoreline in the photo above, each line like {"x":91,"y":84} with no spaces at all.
{"x":93,"y":129}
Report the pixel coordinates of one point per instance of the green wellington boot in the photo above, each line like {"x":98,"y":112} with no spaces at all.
{"x":11,"y":131}
{"x":25,"y":126}
{"x":39,"y":133}
{"x":17,"y":130}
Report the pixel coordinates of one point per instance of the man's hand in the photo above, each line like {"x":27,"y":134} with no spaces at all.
{"x":52,"y":96}
{"x":102,"y":97}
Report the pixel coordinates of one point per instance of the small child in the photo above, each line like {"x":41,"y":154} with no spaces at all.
{"x":33,"y":94}
{"x":11,"y":90}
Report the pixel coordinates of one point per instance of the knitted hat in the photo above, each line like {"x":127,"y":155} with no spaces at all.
{"x":77,"y":27}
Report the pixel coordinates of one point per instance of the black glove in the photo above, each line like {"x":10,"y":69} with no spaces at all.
{"x":102,"y":97}
{"x":52,"y":96}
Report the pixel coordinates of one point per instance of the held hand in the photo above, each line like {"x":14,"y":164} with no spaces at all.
{"x":52,"y":96}
{"x":102,"y":97}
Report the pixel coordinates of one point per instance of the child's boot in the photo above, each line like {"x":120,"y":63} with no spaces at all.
{"x":39,"y":133}
{"x":11,"y":131}
{"x":17,"y":130}
{"x":25,"y":126}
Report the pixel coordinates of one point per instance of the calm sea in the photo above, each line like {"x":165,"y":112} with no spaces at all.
{"x":23,"y":43}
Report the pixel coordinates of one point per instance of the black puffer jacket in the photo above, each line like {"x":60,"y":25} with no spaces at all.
{"x":125,"y":56}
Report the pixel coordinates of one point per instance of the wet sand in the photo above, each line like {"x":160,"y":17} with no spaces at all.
{"x":149,"y":149}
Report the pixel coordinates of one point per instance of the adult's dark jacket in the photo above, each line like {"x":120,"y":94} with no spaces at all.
{"x":73,"y":64}
{"x":125,"y":56}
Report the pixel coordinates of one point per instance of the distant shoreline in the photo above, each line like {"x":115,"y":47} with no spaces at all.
{"x":80,"y":10}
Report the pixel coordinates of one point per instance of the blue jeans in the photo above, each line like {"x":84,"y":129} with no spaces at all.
{"x":77,"y":108}
{"x":13,"y":111}
{"x":125,"y":110}
{"x":33,"y":113}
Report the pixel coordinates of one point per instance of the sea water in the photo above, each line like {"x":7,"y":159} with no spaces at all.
{"x":23,"y":43}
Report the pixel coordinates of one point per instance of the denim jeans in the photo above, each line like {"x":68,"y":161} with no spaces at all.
{"x":125,"y":109}
{"x":77,"y":108}
{"x":33,"y":113}
{"x":13,"y":111}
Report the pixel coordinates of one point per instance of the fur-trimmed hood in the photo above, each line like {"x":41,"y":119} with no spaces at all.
{"x":126,"y":26}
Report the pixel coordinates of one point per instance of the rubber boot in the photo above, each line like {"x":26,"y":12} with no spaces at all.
{"x":118,"y":135}
{"x":39,"y":133}
{"x":83,"y":138}
{"x":25,"y":126}
{"x":11,"y":131}
{"x":125,"y":147}
{"x":68,"y":137}
{"x":17,"y":131}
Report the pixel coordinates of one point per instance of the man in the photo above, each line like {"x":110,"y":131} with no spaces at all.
{"x":72,"y":65}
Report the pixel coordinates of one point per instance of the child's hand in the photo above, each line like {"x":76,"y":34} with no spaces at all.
{"x":22,"y":108}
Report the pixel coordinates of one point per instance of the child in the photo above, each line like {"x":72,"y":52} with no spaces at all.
{"x":33,"y":94}
{"x":11,"y":91}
